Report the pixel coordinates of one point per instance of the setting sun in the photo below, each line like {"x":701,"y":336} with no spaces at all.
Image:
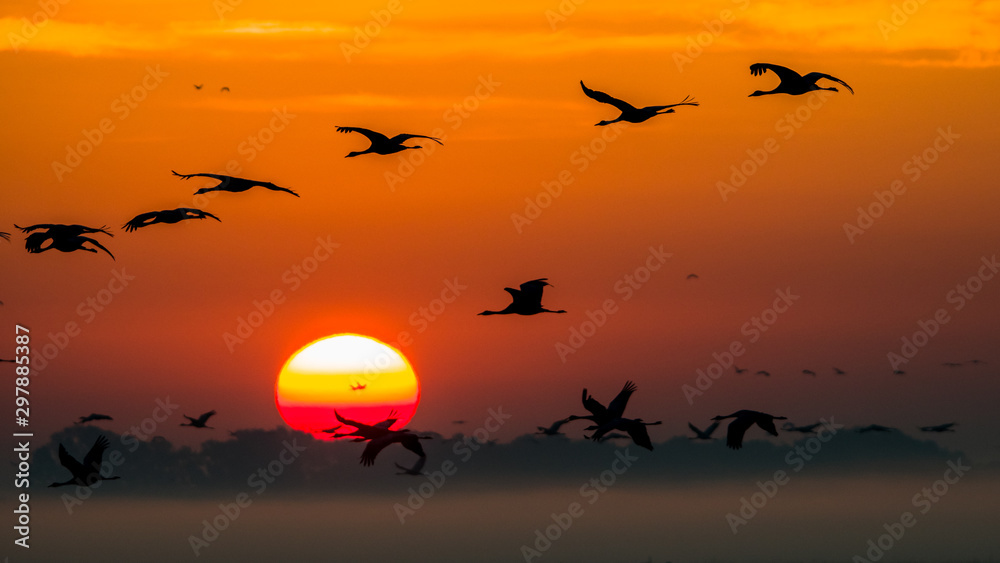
{"x":356,"y":375}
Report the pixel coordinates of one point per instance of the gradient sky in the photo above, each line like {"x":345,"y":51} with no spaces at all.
{"x":418,"y":243}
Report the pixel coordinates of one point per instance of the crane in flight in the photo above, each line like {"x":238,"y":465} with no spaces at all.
{"x":525,"y":301}
{"x":946,"y":427}
{"x":92,"y":416}
{"x":89,"y":472}
{"x":381,"y":144}
{"x":792,"y":82}
{"x":743,"y":420}
{"x":629,"y":112}
{"x":166,"y":216}
{"x":705,"y":434}
{"x":232,"y":184}
{"x":64,"y":238}
{"x":200,"y":421}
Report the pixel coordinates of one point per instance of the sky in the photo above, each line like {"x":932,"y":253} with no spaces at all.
{"x":827,"y":230}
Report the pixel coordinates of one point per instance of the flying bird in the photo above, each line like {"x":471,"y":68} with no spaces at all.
{"x":601,"y":415}
{"x":364,"y":432}
{"x":233,"y":184}
{"x":416,"y":470}
{"x":358,"y":387}
{"x":200,"y":421}
{"x":166,"y":216}
{"x":738,"y":369}
{"x":89,"y":472}
{"x":64,"y":238}
{"x":552,"y":430}
{"x":898,"y":372}
{"x":947,"y":427}
{"x":634,"y":427}
{"x":743,"y":420}
{"x":407,"y":439}
{"x":380,"y":144}
{"x":224,"y":89}
{"x":875,"y":428}
{"x":692,"y":276}
{"x":705,"y":434}
{"x":808,"y":372}
{"x":525,"y":301}
{"x":93,"y":416}
{"x":198,"y":86}
{"x":792,"y":82}
{"x":807,"y":429}
{"x":5,"y":236}
{"x":631,"y":113}
{"x":764,"y":373}
{"x":838,"y":371}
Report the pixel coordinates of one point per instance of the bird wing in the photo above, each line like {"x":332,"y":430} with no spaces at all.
{"x":531,"y":292}
{"x":98,"y":245}
{"x":711,"y":428}
{"x":695,"y":430}
{"x":218,"y":177}
{"x":359,"y":425}
{"x":412,"y":443}
{"x":69,"y":462}
{"x":192,"y":213}
{"x":637,"y":431}
{"x":140,"y":221}
{"x":767,"y":424}
{"x":403,"y":137}
{"x":782,"y":72}
{"x":374,"y":136}
{"x":617,"y":406}
{"x":593,"y":405}
{"x":814,"y":76}
{"x":277,"y":188}
{"x":419,"y":465}
{"x":5,"y":236}
{"x":606,"y":99}
{"x":738,"y":427}
{"x":93,"y":459}
{"x":375,"y":446}
{"x":204,"y":418}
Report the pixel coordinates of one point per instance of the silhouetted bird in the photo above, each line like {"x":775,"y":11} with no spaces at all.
{"x":552,"y":430}
{"x":977,"y":362}
{"x":89,"y":472}
{"x":166,"y":216}
{"x":407,"y":439}
{"x":898,"y":372}
{"x":947,"y":427}
{"x":200,"y":421}
{"x":808,"y":372}
{"x":875,"y":428}
{"x":764,"y":373}
{"x":198,"y":86}
{"x":631,"y":113}
{"x":5,"y":236}
{"x":224,"y":89}
{"x":705,"y":434}
{"x":634,"y":427}
{"x":692,"y":276}
{"x":838,"y":371}
{"x":64,"y":238}
{"x":233,"y":184}
{"x":807,"y":429}
{"x":792,"y":82}
{"x":364,"y":431}
{"x":738,"y":369}
{"x":600,"y":414}
{"x":380,"y":144}
{"x":93,"y":416}
{"x":743,"y":420}
{"x":358,"y":387}
{"x":526,"y":301}
{"x":416,"y":470}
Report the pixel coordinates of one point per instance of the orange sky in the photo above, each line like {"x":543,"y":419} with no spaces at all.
{"x":449,"y":222}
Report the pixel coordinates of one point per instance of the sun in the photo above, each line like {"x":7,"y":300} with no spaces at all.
{"x":358,"y":376}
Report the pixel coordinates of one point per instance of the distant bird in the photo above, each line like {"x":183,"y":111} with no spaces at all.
{"x":233,"y":184}
{"x":364,"y":431}
{"x":808,"y":372}
{"x":93,"y":416}
{"x":838,"y":371}
{"x":898,"y":372}
{"x":807,"y":429}
{"x":358,"y":387}
{"x":200,"y":421}
{"x":764,"y":373}
{"x":416,"y":470}
{"x":64,"y":238}
{"x":552,"y":430}
{"x":692,"y":276}
{"x":198,"y":86}
{"x":5,"y":236}
{"x":380,"y":144}
{"x":332,"y":429}
{"x":977,"y":362}
{"x":631,"y":113}
{"x":792,"y":82}
{"x":224,"y":89}
{"x":89,"y":472}
{"x":634,"y":427}
{"x":875,"y":428}
{"x":738,"y":369}
{"x":705,"y":434}
{"x":526,"y":301}
{"x":166,"y":216}
{"x":601,"y":415}
{"x":947,"y":427}
{"x":743,"y":420}
{"x":458,"y":422}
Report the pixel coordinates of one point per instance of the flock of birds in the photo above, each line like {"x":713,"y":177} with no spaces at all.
{"x":526,"y":300}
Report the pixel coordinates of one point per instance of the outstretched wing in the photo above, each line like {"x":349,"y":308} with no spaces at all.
{"x":737,"y":428}
{"x":192,"y":213}
{"x":204,"y":418}
{"x":783,"y":73}
{"x":99,"y":245}
{"x":593,"y":405}
{"x":276,"y":188}
{"x":33,"y":243}
{"x":359,"y":425}
{"x":93,"y":459}
{"x":139,"y":221}
{"x":637,"y":431}
{"x":218,"y":177}
{"x":374,"y":447}
{"x":69,"y":462}
{"x":374,"y":136}
{"x":531,"y":292}
{"x":617,"y":406}
{"x":814,"y":76}
{"x":5,"y":236}
{"x":403,"y":137}
{"x":606,"y":99}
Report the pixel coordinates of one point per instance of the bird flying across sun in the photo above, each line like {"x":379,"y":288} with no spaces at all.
{"x":629,"y":112}
{"x":381,"y":144}
{"x":792,"y":82}
{"x":525,"y":301}
{"x":358,"y":387}
{"x":233,"y":184}
{"x":166,"y":216}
